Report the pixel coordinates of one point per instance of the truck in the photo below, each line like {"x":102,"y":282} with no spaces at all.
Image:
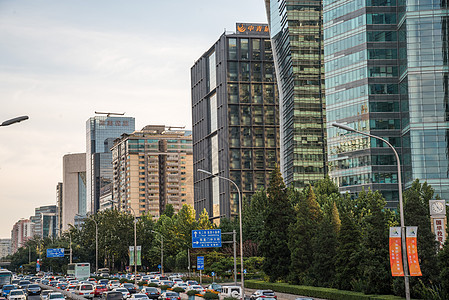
{"x":81,"y":271}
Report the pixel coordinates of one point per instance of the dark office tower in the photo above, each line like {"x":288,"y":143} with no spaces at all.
{"x":235,"y":119}
{"x":386,"y":74}
{"x":101,"y":131}
{"x":295,"y":30}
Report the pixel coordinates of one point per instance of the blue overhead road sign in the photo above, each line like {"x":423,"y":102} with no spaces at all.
{"x":208,"y":238}
{"x":55,"y":252}
{"x":200,"y":262}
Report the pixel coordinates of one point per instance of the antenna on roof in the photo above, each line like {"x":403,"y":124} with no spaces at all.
{"x":108,"y":114}
{"x":178,"y":127}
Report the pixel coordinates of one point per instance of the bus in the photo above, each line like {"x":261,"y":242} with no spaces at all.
{"x":5,"y":277}
{"x":104,"y":272}
{"x":80,"y":271}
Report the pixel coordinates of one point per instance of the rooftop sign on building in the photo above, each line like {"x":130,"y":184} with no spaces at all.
{"x":252,"y":28}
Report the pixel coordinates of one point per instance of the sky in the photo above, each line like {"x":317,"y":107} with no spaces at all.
{"x":60,"y":61}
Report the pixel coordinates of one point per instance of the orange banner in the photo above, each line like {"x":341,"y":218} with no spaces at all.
{"x":395,"y":252}
{"x":412,"y":250}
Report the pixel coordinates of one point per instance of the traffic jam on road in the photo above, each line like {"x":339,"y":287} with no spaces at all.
{"x":117,"y":287}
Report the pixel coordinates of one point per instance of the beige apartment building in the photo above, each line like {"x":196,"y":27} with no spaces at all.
{"x":151,"y":169}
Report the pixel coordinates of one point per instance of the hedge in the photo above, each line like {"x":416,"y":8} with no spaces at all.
{"x":318,"y":292}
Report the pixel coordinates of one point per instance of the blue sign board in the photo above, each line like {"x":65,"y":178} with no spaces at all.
{"x":55,"y":252}
{"x":208,"y":238}
{"x":200,"y":262}
{"x":213,"y":273}
{"x":159,"y":266}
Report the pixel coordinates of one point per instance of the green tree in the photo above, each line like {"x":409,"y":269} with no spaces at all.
{"x":278,"y":216}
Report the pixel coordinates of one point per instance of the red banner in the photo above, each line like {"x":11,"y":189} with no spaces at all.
{"x":395,"y":252}
{"x":412,"y":250}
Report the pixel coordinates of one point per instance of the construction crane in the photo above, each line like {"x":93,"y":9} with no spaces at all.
{"x":108,"y":114}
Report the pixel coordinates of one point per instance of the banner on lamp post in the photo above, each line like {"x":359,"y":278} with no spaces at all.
{"x":131,"y":255}
{"x":440,"y":231}
{"x":139,"y":255}
{"x":412,"y":250}
{"x":396,"y":252}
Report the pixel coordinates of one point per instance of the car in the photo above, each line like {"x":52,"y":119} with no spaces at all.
{"x":85,"y":289}
{"x":196,"y":287}
{"x":112,"y":284}
{"x":130,"y":287}
{"x":61,"y":285}
{"x":182,"y":285}
{"x":214,"y":288}
{"x":8,"y":288}
{"x":124,"y":291}
{"x":92,"y":280}
{"x":103,"y":281}
{"x":139,"y":296}
{"x":55,"y":296}
{"x":177,"y":280}
{"x":168,"y":283}
{"x":24,"y":283}
{"x":18,"y":294}
{"x":233,"y":291}
{"x":45,"y":281}
{"x":170,"y":296}
{"x":100,"y":289}
{"x":33,"y":289}
{"x":112,"y":295}
{"x":191,"y":282}
{"x":154,"y":280}
{"x":151,"y":292}
{"x":263,"y":294}
{"x":44,"y":294}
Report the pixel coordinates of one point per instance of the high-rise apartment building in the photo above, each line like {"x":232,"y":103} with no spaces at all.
{"x":101,"y":131}
{"x":386,"y":74}
{"x":153,"y":168}
{"x":45,"y":221}
{"x":21,"y":232}
{"x":296,"y":36}
{"x":235,"y":119}
{"x":74,"y":188}
{"x":5,"y":247}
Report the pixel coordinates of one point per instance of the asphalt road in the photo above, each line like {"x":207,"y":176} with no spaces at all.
{"x":34,"y":297}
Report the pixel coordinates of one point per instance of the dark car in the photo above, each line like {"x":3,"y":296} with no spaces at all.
{"x":103,"y":281}
{"x":130,"y":287}
{"x":151,"y":292}
{"x":45,"y":281}
{"x":33,"y":289}
{"x":8,"y":288}
{"x":62,"y":285}
{"x":24,"y":283}
{"x":112,"y":295}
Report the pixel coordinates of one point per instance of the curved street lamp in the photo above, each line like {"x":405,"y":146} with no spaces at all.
{"x":401,"y":206}
{"x":240,"y":223}
{"x":14,"y":120}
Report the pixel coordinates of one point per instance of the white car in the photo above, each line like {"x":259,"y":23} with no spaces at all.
{"x":85,"y":289}
{"x":113,"y":284}
{"x":177,"y":280}
{"x":44,"y":294}
{"x":233,"y":291}
{"x":124,"y":291}
{"x":182,"y":285}
{"x":17,"y":295}
{"x":139,"y":296}
{"x":56,"y":296}
{"x":197,"y":288}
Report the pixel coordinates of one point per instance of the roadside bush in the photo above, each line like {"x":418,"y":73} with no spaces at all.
{"x":152,"y":284}
{"x":209,"y":295}
{"x":192,"y":293}
{"x":178,"y":290}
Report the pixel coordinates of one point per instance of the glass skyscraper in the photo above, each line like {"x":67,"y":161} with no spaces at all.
{"x":235,"y":119}
{"x":387,"y":74}
{"x":296,"y":36}
{"x":101,"y":131}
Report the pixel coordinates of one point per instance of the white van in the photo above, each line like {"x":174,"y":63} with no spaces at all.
{"x":85,"y":290}
{"x":233,"y":291}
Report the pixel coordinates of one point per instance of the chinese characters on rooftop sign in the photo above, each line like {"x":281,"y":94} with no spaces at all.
{"x":113,"y":123}
{"x":250,"y":28}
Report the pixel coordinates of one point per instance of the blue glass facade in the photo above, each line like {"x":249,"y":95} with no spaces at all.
{"x":296,"y":36}
{"x":101,"y":131}
{"x":386,"y":74}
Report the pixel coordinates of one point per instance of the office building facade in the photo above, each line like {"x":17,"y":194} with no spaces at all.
{"x":74,"y":189}
{"x":386,"y":74}
{"x":101,"y":131}
{"x":152,"y":168}
{"x":5,"y":247}
{"x":235,"y":119}
{"x":296,"y":35}
{"x":59,"y":204}
{"x":45,"y":221}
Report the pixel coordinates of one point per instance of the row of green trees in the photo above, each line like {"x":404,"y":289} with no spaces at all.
{"x":320,"y":237}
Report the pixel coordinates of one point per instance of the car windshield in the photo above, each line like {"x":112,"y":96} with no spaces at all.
{"x":151,"y":289}
{"x":15,"y":293}
{"x":87,"y":287}
{"x":8,"y":287}
{"x":56,"y":296}
{"x":171,"y":294}
{"x":114,"y":296}
{"x":140,"y":296}
{"x":100,"y":287}
{"x":33,"y":286}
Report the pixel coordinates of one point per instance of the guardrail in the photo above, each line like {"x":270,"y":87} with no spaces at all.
{"x":69,"y":295}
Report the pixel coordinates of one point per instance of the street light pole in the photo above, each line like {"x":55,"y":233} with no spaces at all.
{"x":401,"y":206}
{"x":14,"y":120}
{"x":135,"y":245}
{"x":240,"y":223}
{"x":162,"y":251}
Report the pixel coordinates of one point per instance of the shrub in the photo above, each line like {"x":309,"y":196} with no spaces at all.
{"x":178,"y":290}
{"x":209,"y":295}
{"x":142,"y":283}
{"x":152,"y":284}
{"x":164,"y":287}
{"x":192,"y":293}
